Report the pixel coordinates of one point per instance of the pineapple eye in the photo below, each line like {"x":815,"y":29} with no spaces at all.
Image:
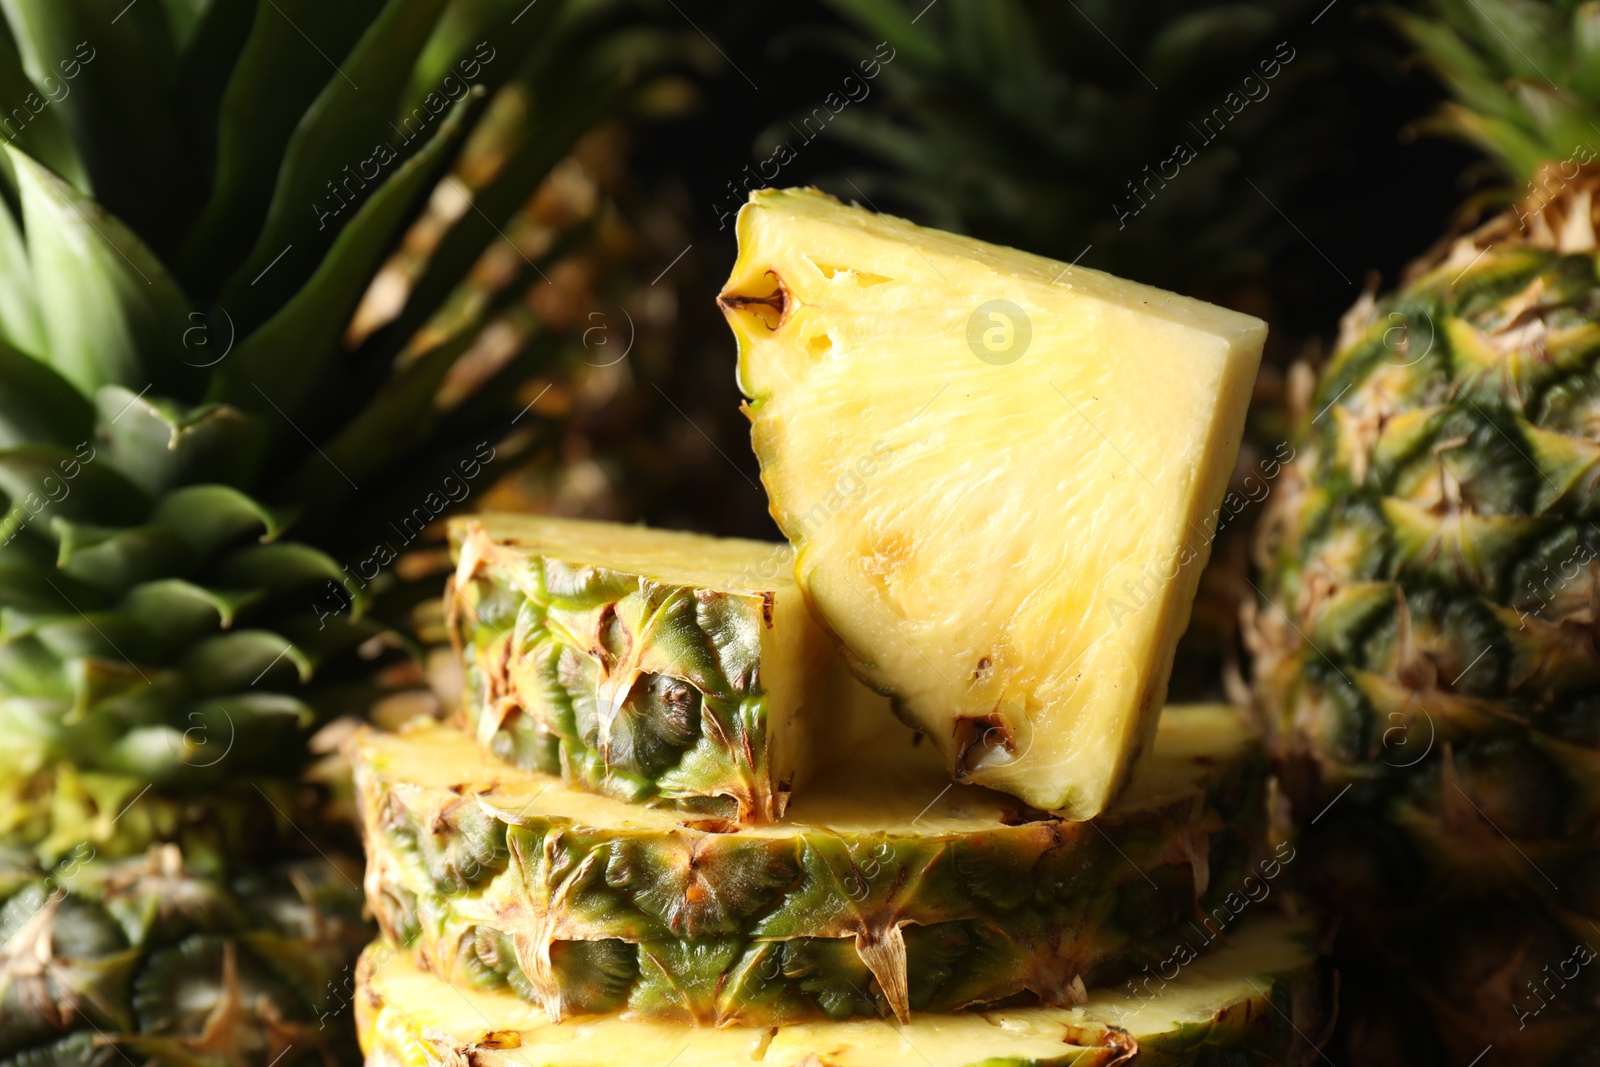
{"x":767,"y":299}
{"x":981,"y":739}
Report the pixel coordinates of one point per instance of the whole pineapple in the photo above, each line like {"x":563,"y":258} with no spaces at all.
{"x":206,"y":477}
{"x":1426,"y":641}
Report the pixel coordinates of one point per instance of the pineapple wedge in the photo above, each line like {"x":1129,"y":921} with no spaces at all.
{"x":1257,"y":1000}
{"x":638,"y":663}
{"x":885,"y":890}
{"x":1000,"y":474}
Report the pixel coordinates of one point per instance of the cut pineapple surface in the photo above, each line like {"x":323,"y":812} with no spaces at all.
{"x":1000,"y":474}
{"x":1255,"y":999}
{"x":640,"y":663}
{"x":912,"y":894}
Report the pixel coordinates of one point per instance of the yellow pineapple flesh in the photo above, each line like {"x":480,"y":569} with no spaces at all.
{"x":1000,"y":474}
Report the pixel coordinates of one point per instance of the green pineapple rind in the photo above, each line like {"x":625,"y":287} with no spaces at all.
{"x":1026,"y":956}
{"x":193,"y":957}
{"x":477,"y":873}
{"x":543,"y":633}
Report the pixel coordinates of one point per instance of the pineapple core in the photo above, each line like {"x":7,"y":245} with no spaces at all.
{"x":1000,"y":474}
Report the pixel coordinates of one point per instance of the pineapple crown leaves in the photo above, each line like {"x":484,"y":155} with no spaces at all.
{"x":1041,"y":126}
{"x":1524,"y":76}
{"x":195,"y":198}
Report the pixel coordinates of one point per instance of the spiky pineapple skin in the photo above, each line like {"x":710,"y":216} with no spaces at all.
{"x":547,"y":639}
{"x":691,"y":922}
{"x":1426,"y":649}
{"x":1025,"y":955}
{"x":208,"y":954}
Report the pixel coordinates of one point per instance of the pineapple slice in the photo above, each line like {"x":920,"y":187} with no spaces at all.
{"x":886,"y":889}
{"x":1000,"y":474}
{"x":1254,"y":1000}
{"x":638,"y":663}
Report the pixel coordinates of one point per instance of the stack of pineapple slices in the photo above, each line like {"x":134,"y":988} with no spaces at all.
{"x":670,"y":826}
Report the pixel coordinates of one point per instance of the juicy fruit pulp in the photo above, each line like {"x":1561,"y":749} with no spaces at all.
{"x":885,"y":889}
{"x":1251,"y":1000}
{"x":637,"y":663}
{"x":999,"y":473}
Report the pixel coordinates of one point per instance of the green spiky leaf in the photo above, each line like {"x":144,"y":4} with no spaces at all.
{"x":29,"y":120}
{"x":270,"y":86}
{"x":243,"y":659}
{"x":292,"y":351}
{"x":107,"y":304}
{"x":338,"y":155}
{"x":128,"y":137}
{"x":160,"y":444}
{"x":210,"y":516}
{"x":43,"y":482}
{"x":37,"y":404}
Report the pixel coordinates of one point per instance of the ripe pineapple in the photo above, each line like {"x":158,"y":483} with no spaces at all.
{"x":638,"y":663}
{"x":1255,"y":1000}
{"x":187,"y":224}
{"x":1000,"y":474}
{"x":1426,"y":648}
{"x":882,"y":892}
